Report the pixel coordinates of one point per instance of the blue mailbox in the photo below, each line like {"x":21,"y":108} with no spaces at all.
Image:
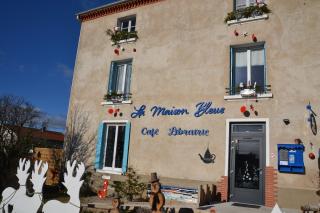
{"x":290,"y":158}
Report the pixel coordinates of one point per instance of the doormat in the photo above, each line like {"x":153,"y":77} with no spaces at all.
{"x":246,"y":205}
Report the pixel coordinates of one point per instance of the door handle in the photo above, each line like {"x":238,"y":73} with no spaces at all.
{"x":260,"y":171}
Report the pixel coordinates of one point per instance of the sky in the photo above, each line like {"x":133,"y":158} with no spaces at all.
{"x":38,"y":45}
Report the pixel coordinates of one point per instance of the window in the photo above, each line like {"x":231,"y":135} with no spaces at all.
{"x":112,"y":147}
{"x":119,"y":81}
{"x":241,"y":4}
{"x":127,"y":24}
{"x":248,"y":68}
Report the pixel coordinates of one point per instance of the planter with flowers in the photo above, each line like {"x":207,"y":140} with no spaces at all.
{"x":117,"y":36}
{"x":258,"y":10}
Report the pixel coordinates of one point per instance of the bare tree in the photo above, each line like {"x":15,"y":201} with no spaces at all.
{"x":15,"y":113}
{"x":78,"y":142}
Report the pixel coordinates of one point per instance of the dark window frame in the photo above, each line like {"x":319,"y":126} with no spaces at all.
{"x":247,"y":46}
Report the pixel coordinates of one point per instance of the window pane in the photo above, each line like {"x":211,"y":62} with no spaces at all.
{"x":133,"y":24}
{"x":128,"y":79}
{"x":257,"y":68}
{"x":252,"y":2}
{"x":121,"y":79}
{"x":114,"y":81}
{"x":120,"y":146}
{"x":111,"y":131}
{"x":241,"y":4}
{"x":240,"y":72}
{"x":124,"y":25}
{"x":247,"y":128}
{"x":247,"y":164}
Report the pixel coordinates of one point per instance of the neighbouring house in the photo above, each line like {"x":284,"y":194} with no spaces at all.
{"x":205,"y":91}
{"x":43,"y":145}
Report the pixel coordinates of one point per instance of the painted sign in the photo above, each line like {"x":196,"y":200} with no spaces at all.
{"x":201,"y":109}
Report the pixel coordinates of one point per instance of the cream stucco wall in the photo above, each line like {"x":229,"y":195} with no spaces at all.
{"x":182,"y":58}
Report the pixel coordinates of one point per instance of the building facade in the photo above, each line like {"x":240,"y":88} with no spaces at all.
{"x":205,"y":92}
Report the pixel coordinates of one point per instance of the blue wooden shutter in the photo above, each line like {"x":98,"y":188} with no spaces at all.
{"x":126,"y":148}
{"x":100,"y":146}
{"x":231,"y":84}
{"x":113,"y":75}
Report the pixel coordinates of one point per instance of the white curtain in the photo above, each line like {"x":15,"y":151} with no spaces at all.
{"x":241,"y":59}
{"x":121,"y":78}
{"x":128,"y":78}
{"x":240,"y":4}
{"x":257,"y":57}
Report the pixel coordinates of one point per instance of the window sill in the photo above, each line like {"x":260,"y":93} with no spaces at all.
{"x":244,"y":20}
{"x":125,"y":41}
{"x":103,"y":103}
{"x":239,"y":97}
{"x":109,"y":172}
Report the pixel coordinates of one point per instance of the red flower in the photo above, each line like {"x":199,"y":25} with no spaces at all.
{"x":116,"y":51}
{"x":243,"y":109}
{"x":110,"y":111}
{"x":312,"y":156}
{"x":254,"y":38}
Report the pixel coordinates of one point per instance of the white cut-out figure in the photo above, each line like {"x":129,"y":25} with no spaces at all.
{"x":26,"y":204}
{"x":276,"y":209}
{"x":73,"y":185}
{"x":11,"y":196}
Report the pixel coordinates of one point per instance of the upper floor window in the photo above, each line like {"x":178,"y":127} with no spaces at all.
{"x":248,"y":68}
{"x":127,"y":24}
{"x":119,"y":81}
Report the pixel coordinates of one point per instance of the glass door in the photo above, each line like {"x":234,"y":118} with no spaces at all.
{"x":247,"y":163}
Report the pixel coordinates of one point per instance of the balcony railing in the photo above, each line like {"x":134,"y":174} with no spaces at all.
{"x":117,"y":97}
{"x":248,"y":90}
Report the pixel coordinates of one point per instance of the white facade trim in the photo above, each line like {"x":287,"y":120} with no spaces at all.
{"x":243,"y":20}
{"x":125,"y":41}
{"x":239,"y":97}
{"x":228,"y":121}
{"x":103,"y":103}
{"x":115,"y":121}
{"x":108,"y":172}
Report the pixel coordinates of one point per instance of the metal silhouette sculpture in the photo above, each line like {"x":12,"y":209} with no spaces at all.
{"x":73,"y":185}
{"x":17,"y":198}
{"x":312,"y":119}
{"x":208,"y":157}
{"x":32,"y":204}
{"x":12,"y":196}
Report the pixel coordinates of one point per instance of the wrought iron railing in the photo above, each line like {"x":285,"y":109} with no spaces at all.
{"x":257,"y":89}
{"x":117,"y":97}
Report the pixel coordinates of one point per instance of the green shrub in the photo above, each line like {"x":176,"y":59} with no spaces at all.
{"x":132,"y":187}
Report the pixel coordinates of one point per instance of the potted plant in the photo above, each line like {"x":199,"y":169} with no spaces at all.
{"x":117,"y":35}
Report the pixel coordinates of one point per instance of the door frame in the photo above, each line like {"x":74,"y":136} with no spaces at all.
{"x":245,"y":120}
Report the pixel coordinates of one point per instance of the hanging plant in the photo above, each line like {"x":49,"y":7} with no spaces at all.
{"x":116,"y":36}
{"x":252,"y":11}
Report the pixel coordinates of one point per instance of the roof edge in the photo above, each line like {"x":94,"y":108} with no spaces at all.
{"x":111,"y":8}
